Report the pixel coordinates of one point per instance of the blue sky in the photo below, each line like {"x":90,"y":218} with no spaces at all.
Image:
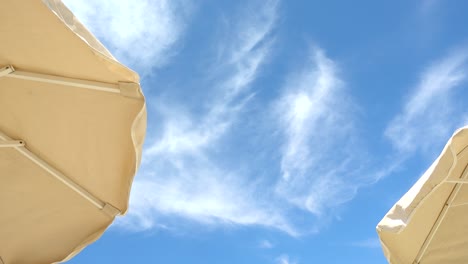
{"x":279,"y":131}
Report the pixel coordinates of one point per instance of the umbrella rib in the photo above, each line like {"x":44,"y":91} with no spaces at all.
{"x":98,"y":86}
{"x":461,"y":181}
{"x":123,"y":88}
{"x":65,"y":180}
{"x":107,"y":208}
{"x":448,"y":204}
{"x":11,"y":143}
{"x":457,"y":205}
{"x":446,"y":180}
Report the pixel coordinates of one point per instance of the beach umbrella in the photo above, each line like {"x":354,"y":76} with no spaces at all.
{"x":72,"y":124}
{"x":429,"y":224}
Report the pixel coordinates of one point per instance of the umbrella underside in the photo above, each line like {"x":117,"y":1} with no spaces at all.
{"x":428,"y":225}
{"x":26,"y":174}
{"x":72,"y":125}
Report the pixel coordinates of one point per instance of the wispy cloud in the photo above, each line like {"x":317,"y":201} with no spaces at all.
{"x":204,"y":194}
{"x":142,"y":34}
{"x":367,"y":243}
{"x":184,"y":173}
{"x":432,"y":111}
{"x":320,"y":154}
{"x":266,"y":244}
{"x":284,"y":259}
{"x":181,"y":175}
{"x":427,"y":6}
{"x":321,"y":158}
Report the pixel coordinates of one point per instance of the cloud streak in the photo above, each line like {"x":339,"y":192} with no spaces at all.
{"x":369,"y":243}
{"x":266,"y":244}
{"x":320,"y":155}
{"x":431,"y":113}
{"x":181,"y":175}
{"x":284,"y":259}
{"x":186,"y":174}
{"x":142,"y":34}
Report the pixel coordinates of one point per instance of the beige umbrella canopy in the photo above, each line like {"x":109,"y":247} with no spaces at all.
{"x":429,"y":224}
{"x":72,"y":124}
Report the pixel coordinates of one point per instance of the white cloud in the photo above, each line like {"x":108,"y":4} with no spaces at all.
{"x":262,"y":18}
{"x":427,"y":6}
{"x":431,"y":112}
{"x":309,"y":102}
{"x":201,"y":195}
{"x":284,"y":259}
{"x":180,"y":175}
{"x":185,"y":132}
{"x":266,"y":244}
{"x":367,"y":243}
{"x":183,"y":177}
{"x":140,"y":33}
{"x":320,"y":156}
